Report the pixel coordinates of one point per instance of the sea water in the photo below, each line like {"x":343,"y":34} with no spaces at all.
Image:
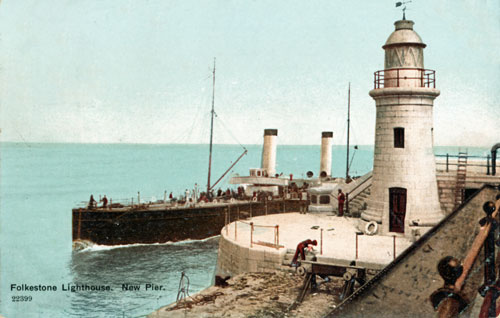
{"x":41,"y":183}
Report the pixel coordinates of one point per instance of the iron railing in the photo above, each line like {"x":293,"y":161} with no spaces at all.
{"x":425,"y":77}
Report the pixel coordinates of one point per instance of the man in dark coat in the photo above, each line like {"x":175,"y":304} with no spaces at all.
{"x":300,"y":250}
{"x":341,"y":199}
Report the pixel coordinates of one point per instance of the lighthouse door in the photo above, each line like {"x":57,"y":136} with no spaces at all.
{"x":397,"y":209}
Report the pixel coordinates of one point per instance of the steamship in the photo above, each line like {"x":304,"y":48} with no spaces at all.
{"x":162,"y":221}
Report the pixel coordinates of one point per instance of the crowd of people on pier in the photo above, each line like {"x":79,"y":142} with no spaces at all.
{"x":195,"y":196}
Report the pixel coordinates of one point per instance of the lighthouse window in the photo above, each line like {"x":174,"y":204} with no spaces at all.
{"x":399,"y":137}
{"x":324,"y":199}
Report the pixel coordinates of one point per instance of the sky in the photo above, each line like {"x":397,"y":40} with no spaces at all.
{"x":140,"y":71}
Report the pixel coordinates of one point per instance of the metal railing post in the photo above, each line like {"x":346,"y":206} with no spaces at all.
{"x":357,"y":235}
{"x":321,"y":243}
{"x":251,"y":234}
{"x":277,"y":237}
{"x":488,"y":165}
{"x":394,"y":246}
{"x":236,"y":230}
{"x":447,"y":162}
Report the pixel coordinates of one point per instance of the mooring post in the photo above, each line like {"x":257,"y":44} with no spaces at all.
{"x":251,"y":234}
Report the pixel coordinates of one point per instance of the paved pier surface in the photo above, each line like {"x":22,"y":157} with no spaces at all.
{"x":336,"y":237}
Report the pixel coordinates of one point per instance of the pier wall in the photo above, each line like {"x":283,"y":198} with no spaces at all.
{"x":234,"y":259}
{"x":149,"y":225}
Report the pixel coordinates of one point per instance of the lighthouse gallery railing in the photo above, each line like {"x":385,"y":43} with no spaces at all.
{"x":425,"y":77}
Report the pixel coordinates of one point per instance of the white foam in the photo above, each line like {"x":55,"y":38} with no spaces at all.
{"x":97,"y":247}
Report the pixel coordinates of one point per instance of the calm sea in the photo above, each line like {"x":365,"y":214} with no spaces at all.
{"x":40,"y":183}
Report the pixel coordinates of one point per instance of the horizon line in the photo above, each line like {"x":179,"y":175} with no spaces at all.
{"x":200,"y":144}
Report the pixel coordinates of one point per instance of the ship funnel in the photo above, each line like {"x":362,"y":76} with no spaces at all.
{"x":325,"y":168}
{"x":269,"y":151}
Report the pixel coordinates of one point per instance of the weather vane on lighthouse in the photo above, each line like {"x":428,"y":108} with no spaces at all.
{"x":400,"y":3}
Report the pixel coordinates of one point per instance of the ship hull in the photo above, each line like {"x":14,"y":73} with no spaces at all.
{"x":111,"y":227}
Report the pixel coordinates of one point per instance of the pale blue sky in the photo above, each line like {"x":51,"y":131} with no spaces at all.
{"x":139,"y":71}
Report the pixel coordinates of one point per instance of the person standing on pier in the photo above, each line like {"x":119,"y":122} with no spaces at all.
{"x":341,"y":199}
{"x":92,"y":202}
{"x":104,"y":202}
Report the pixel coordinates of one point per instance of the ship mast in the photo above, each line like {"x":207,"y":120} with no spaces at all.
{"x":348,"y":126}
{"x":211,"y":131}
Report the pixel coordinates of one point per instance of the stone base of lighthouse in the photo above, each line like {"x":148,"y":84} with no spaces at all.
{"x":404,"y":195}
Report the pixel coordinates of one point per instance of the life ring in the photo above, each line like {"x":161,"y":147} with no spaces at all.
{"x":371,"y":228}
{"x":231,"y":200}
{"x":269,"y":198}
{"x":254,"y":199}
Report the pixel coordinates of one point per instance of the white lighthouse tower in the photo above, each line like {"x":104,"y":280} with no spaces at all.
{"x":404,"y":194}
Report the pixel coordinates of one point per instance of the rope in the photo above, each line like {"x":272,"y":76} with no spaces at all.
{"x":228,"y":131}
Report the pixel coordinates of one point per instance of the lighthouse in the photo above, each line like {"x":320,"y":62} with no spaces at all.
{"x":404,"y":195}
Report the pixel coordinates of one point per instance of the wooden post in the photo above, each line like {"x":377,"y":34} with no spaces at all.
{"x":251,"y":234}
{"x":236,"y":230}
{"x":277,"y":237}
{"x":321,"y":243}
{"x":237,"y":212}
